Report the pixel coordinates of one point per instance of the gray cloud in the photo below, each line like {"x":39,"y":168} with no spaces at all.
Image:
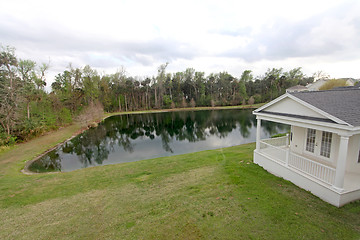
{"x":91,"y":49}
{"x":185,"y":40}
{"x":312,"y":37}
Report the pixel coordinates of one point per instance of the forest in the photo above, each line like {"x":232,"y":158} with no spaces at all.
{"x":27,"y":109}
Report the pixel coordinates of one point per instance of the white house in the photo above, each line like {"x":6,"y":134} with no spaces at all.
{"x":322,"y":152}
{"x":297,"y":88}
{"x":317,"y":84}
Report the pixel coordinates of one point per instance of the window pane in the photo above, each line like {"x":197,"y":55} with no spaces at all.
{"x":326,"y":144}
{"x":310,"y":140}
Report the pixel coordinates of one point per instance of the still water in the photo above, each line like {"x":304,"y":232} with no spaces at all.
{"x":127,"y":138}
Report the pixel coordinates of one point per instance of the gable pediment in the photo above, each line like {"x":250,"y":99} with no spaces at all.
{"x":292,"y":107}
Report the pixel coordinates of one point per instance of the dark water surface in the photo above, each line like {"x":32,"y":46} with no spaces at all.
{"x":133,"y":137}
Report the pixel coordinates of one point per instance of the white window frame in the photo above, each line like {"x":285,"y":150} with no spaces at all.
{"x":306,"y":141}
{"x":326,"y":145}
{"x":317,"y":146}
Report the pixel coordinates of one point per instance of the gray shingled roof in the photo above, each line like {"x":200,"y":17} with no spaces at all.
{"x":342,"y":103}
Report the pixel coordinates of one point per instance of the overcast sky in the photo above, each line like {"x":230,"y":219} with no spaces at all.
{"x":210,"y":36}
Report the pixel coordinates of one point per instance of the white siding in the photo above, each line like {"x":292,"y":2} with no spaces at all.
{"x":352,"y":164}
{"x":290,"y":106}
{"x":298,"y":140}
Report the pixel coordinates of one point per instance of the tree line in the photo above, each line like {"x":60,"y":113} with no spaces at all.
{"x":27,"y":109}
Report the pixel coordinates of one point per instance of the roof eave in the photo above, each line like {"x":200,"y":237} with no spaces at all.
{"x":306,"y":123}
{"x":321,"y":112}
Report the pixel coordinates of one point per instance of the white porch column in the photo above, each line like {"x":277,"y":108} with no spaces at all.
{"x":258,"y":131}
{"x":287,"y":140}
{"x":341,"y":163}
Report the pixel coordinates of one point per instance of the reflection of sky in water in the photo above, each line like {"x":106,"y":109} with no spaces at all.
{"x":213,"y":133}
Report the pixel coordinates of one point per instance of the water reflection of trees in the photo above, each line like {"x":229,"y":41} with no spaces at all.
{"x":93,"y":146}
{"x":50,"y":162}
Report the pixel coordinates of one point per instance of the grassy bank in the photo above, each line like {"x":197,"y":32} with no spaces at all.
{"x":217,"y":194}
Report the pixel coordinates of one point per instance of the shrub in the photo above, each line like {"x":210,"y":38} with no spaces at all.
{"x":64,"y":116}
{"x":93,"y":112}
{"x":192,"y":103}
{"x":251,"y":100}
{"x":257,"y":98}
{"x":333,"y":84}
{"x":167,"y":101}
{"x":279,"y":135}
{"x":6,"y":139}
{"x":184,"y":104}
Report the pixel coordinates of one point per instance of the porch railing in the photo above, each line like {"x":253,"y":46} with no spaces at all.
{"x":276,"y":153}
{"x":277,"y":149}
{"x":277,"y":142}
{"x":317,"y":170}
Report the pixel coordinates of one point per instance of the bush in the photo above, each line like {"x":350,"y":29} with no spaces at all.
{"x":64,"y":116}
{"x":167,"y":101}
{"x":183,"y":103}
{"x":28,"y":129}
{"x":333,"y":84}
{"x":279,"y":135}
{"x":257,"y":98}
{"x":192,"y":103}
{"x":251,"y":100}
{"x":6,"y":139}
{"x":93,"y":112}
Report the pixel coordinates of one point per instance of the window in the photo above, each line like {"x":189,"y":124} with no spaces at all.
{"x":310,"y":140}
{"x":326,"y":144}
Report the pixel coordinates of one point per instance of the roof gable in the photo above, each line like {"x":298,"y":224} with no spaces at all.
{"x":291,"y":106}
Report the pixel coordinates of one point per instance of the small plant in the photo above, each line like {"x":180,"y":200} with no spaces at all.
{"x":279,"y":135}
{"x":184,"y":104}
{"x":251,"y":100}
{"x":333,"y":84}
{"x":167,"y":101}
{"x":172,"y":105}
{"x":65,"y":116}
{"x":93,"y":112}
{"x":192,"y":103}
{"x":6,"y":139}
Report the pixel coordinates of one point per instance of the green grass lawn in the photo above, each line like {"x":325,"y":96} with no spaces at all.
{"x":216,"y":194}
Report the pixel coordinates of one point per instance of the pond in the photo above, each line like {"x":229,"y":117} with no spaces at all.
{"x":133,"y":137}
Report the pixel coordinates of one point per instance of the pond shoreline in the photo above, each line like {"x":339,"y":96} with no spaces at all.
{"x":92,"y":124}
{"x":185,"y":109}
